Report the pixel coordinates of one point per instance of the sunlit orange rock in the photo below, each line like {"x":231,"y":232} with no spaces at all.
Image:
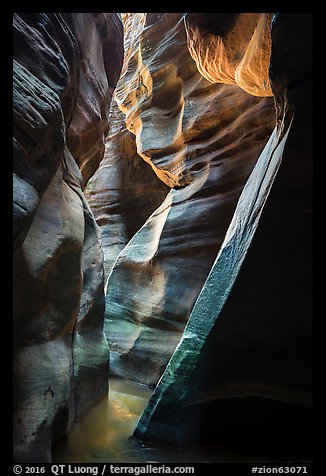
{"x":201,"y":140}
{"x":232,"y":48}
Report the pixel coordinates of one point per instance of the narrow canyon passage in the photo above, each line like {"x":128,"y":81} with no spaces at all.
{"x":162,"y":237}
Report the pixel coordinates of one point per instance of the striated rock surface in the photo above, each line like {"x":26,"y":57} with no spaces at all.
{"x":200,"y":139}
{"x":232,"y":48}
{"x":123,"y":192}
{"x":206,"y":234}
{"x":100,"y":60}
{"x":176,"y":381}
{"x":241,"y":374}
{"x":65,"y":69}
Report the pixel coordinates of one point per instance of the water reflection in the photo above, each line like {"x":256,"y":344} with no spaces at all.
{"x":103,"y":435}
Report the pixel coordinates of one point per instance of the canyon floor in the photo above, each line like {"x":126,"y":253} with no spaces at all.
{"x":104,"y":435}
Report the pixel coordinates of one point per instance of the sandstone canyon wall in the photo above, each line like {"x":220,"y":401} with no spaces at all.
{"x":201,"y":250}
{"x":201,"y":140}
{"x":242,"y":372}
{"x":207,"y":102}
{"x":65,"y":70}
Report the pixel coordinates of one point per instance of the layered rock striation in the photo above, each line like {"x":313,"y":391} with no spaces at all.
{"x":232,"y":48}
{"x":199,"y":300}
{"x":65,"y":69}
{"x":241,"y":374}
{"x":123,"y":192}
{"x":202,"y":141}
{"x":205,"y":233}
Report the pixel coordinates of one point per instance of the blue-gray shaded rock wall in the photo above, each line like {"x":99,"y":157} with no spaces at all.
{"x":241,"y":376}
{"x":202,"y":141}
{"x":65,"y":70}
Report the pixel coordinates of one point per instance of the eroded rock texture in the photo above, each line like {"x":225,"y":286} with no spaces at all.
{"x":241,"y":374}
{"x":232,"y":48}
{"x":201,"y":140}
{"x":123,"y":192}
{"x":203,"y":109}
{"x":211,"y":119}
{"x":65,"y":70}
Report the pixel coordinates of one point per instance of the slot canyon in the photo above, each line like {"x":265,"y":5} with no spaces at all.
{"x":162,"y":209}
